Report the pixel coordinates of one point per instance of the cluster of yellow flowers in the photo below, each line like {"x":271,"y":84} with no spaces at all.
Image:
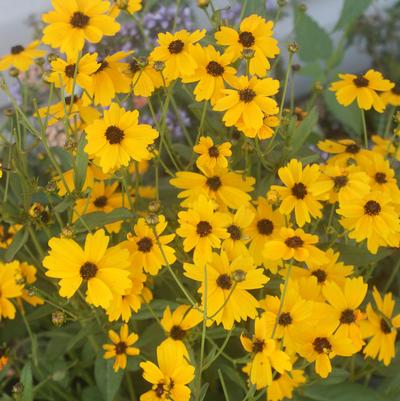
{"x":227,"y":240}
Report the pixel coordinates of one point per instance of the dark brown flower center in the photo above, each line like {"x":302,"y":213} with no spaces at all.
{"x":372,"y":208}
{"x":361,"y":81}
{"x":215,"y":69}
{"x":380,"y":178}
{"x":385,"y":328}
{"x":114,"y":135}
{"x":213,"y":151}
{"x":176,"y":46}
{"x":247,"y":95}
{"x":120,"y":348}
{"x":352,"y":148}
{"x":145,"y":244}
{"x":71,"y":99}
{"x":340,"y":182}
{"x":203,"y":228}
{"x":299,"y":190}
{"x":246,"y":39}
{"x":79,"y":20}
{"x":17,"y":49}
{"x":103,"y":65}
{"x":88,"y":270}
{"x":285,"y":319}
{"x":101,"y":201}
{"x":265,"y":227}
{"x":224,"y":282}
{"x":214,"y":183}
{"x":134,"y":66}
{"x":294,"y":242}
{"x":322,"y":345}
{"x":159,"y":390}
{"x":320,"y":275}
{"x":396,"y":90}
{"x":258,"y":346}
{"x":70,"y":70}
{"x":347,"y":316}
{"x":177,"y":333}
{"x":234,"y":232}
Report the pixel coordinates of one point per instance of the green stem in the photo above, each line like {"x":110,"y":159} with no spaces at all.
{"x":364,"y":126}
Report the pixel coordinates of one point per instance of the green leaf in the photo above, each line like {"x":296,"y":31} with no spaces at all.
{"x":64,"y":205}
{"x":314,"y":42}
{"x":349,"y":116}
{"x":91,"y":394}
{"x":108,"y":381}
{"x":358,"y":255}
{"x":27,"y":381}
{"x":99,"y":219}
{"x":351,"y":10}
{"x":302,"y":132}
{"x":18,"y":242}
{"x":81,"y":164}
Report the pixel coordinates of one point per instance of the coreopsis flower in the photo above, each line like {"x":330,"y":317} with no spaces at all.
{"x":7,"y":234}
{"x":320,"y":344}
{"x":284,"y":384}
{"x":109,"y":79}
{"x":372,"y":217}
{"x":9,"y":289}
{"x":170,"y":378}
{"x":122,"y":306}
{"x":121,"y":347}
{"x":265,"y":226}
{"x":227,"y":298}
{"x":65,"y":72}
{"x":3,"y":358}
{"x":392,"y":96}
{"x":202,"y":229}
{"x":176,"y":324}
{"x":213,"y":70}
{"x":382,"y":326}
{"x":73,"y":22}
{"x":304,"y":189}
{"x":345,"y":150}
{"x":20,"y":57}
{"x":130,"y":6}
{"x":255,"y":33}
{"x":265,"y":355}
{"x":103,"y":198}
{"x":248,"y":102}
{"x":144,"y":246}
{"x":385,"y":147}
{"x":270,"y":122}
{"x":212,"y":155}
{"x":144,"y":78}
{"x":294,"y":244}
{"x":348,"y":182}
{"x":176,"y":51}
{"x":227,"y":188}
{"x":365,"y":88}
{"x":27,"y":274}
{"x":345,"y":303}
{"x":118,"y":138}
{"x":103,"y":270}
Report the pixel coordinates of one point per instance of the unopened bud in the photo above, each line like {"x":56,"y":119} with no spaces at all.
{"x":293,"y":47}
{"x":152,"y":219}
{"x":159,"y":66}
{"x":67,"y":232}
{"x":318,"y":87}
{"x":281,"y":3}
{"x":122,"y":4}
{"x":296,"y":67}
{"x":239,"y":275}
{"x":248,"y":53}
{"x":302,"y":8}
{"x":203,"y":3}
{"x":13,"y":72}
{"x":8,"y":112}
{"x":58,"y":318}
{"x":40,"y":61}
{"x":17,"y":390}
{"x":51,"y":187}
{"x":154,"y":206}
{"x":70,"y":144}
{"x":52,"y":57}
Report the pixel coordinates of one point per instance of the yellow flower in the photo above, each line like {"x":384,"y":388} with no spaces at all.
{"x":123,"y":305}
{"x":27,"y":273}
{"x":282,"y":385}
{"x":103,"y":198}
{"x":3,"y":358}
{"x":345,"y":303}
{"x":265,"y":355}
{"x":254,"y":33}
{"x":109,"y":79}
{"x":294,"y":244}
{"x":176,"y":51}
{"x":212,"y":155}
{"x":104,"y":271}
{"x":21,"y":57}
{"x":144,"y":249}
{"x":364,"y":88}
{"x":226,"y":187}
{"x":227,"y":297}
{"x":121,"y":347}
{"x":371,"y":217}
{"x":345,"y":150}
{"x":178,"y":323}
{"x":9,"y":288}
{"x":392,"y":97}
{"x":266,"y":131}
{"x":303,"y":191}
{"x":7,"y":234}
{"x":382,"y":327}
{"x":249,"y":101}
{"x":130,"y":6}
{"x":212,"y":71}
{"x":118,"y":138}
{"x":63,"y":72}
{"x":144,"y":78}
{"x":74,"y":21}
{"x":385,"y":147}
{"x":202,"y":229}
{"x":170,"y":378}
{"x":320,"y":344}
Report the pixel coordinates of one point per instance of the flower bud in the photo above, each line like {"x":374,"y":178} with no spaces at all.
{"x":40,"y":61}
{"x":152,"y":219}
{"x":70,"y":144}
{"x":9,"y":112}
{"x":13,"y":72}
{"x":293,"y":47}
{"x":317,"y":87}
{"x":296,"y":67}
{"x":159,"y":66}
{"x":122,"y":4}
{"x":281,"y":3}
{"x":239,"y":275}
{"x":51,"y":187}
{"x":248,"y":53}
{"x":17,"y":390}
{"x":203,"y":3}
{"x":52,"y":57}
{"x":303,"y":7}
{"x":58,"y":318}
{"x":154,"y":206}
{"x":67,"y":232}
